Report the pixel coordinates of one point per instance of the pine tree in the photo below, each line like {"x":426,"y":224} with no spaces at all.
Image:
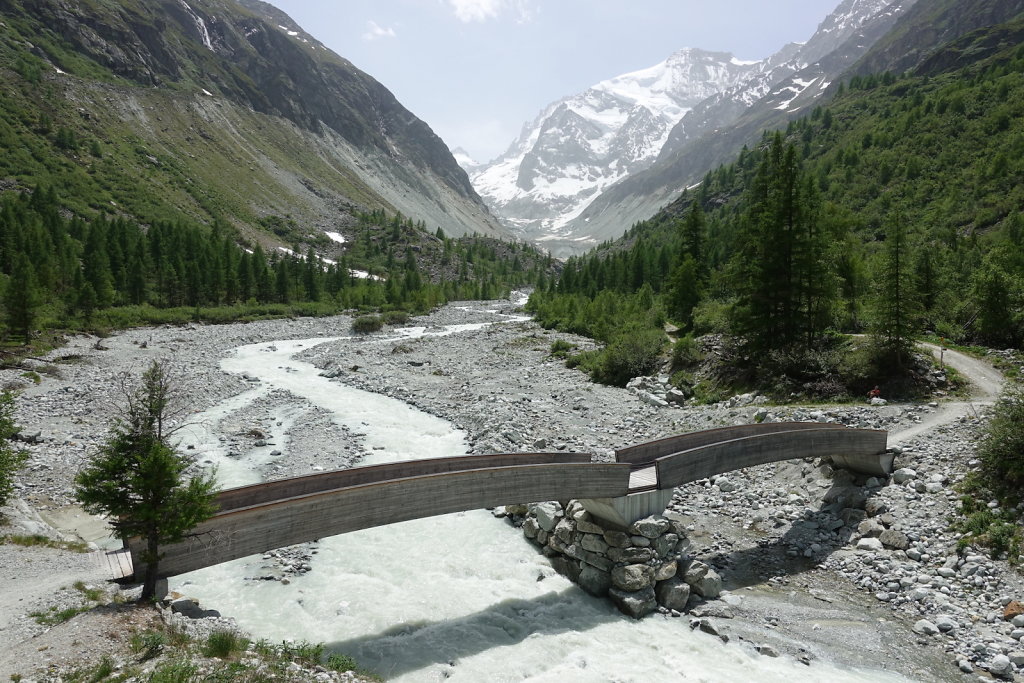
{"x":138,"y":480}
{"x":23,"y":298}
{"x":895,"y":307}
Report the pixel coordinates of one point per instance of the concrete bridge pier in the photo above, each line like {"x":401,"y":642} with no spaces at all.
{"x":620,"y":513}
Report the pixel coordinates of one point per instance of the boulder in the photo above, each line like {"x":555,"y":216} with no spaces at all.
{"x":891,"y":538}
{"x":869,"y":544}
{"x":567,"y":567}
{"x":903,"y":475}
{"x":630,"y":555}
{"x":676,"y":397}
{"x":870,"y":527}
{"x":594,"y":581}
{"x":704,"y":580}
{"x":874,"y":507}
{"x":1001,"y":666}
{"x":617,"y":539}
{"x":597,"y":560}
{"x":666,"y":571}
{"x":636,"y":604}
{"x":651,"y":527}
{"x":726,"y":485}
{"x":673,"y":594}
{"x":665,"y":544}
{"x":1013,"y":609}
{"x":547,"y":515}
{"x":530,"y":527}
{"x":564,"y":530}
{"x":515,"y":510}
{"x":925,"y":627}
{"x":632,"y":577}
{"x":594,"y":543}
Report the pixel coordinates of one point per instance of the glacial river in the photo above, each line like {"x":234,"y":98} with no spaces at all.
{"x":460,"y":597}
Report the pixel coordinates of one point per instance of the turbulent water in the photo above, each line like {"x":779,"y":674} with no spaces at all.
{"x":461,"y":597}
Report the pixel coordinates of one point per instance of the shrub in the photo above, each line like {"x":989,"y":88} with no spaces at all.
{"x":396,"y":318}
{"x":1002,"y":448}
{"x":634,"y":352}
{"x":365,"y":324}
{"x":561,"y":348}
{"x":339,"y":662}
{"x":685,"y":353}
{"x":223,"y":644}
{"x":148,"y":644}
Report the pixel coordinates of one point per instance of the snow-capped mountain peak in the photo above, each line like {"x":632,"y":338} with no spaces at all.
{"x":582,"y":144}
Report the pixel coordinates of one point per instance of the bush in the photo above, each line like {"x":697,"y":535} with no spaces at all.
{"x":1002,"y":448}
{"x":396,"y":318}
{"x":365,"y":324}
{"x":685,"y":353}
{"x":633,"y":353}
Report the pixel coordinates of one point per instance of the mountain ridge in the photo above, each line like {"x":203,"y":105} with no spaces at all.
{"x":321,"y":139}
{"x":699,"y":140}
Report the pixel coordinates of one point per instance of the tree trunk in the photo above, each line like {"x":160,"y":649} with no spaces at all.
{"x":152,"y":558}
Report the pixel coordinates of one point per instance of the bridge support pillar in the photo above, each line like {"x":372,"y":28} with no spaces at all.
{"x":876,"y":465}
{"x":621,"y":512}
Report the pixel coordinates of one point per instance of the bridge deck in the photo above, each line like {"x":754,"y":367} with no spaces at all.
{"x":258,"y":518}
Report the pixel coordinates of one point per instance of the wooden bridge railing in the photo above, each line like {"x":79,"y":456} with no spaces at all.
{"x":724,"y":456}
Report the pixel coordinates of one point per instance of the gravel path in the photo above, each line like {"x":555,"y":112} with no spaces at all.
{"x":800,"y":546}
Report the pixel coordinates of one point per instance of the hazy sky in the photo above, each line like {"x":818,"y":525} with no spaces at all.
{"x":477,"y":70}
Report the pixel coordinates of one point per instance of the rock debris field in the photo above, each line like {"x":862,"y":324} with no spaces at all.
{"x":816,"y":563}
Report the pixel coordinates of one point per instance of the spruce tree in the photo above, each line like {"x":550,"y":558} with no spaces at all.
{"x":895,"y":307}
{"x":139,"y":481}
{"x":23,"y":298}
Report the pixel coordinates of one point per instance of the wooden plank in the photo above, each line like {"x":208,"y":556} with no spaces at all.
{"x":698,"y":463}
{"x":252,"y":530}
{"x":643,"y":478}
{"x":258,"y":494}
{"x":652,"y":450}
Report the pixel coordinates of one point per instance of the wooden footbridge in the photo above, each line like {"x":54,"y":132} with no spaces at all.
{"x":255,"y":519}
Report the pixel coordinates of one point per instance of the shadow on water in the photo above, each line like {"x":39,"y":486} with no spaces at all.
{"x":413,"y":646}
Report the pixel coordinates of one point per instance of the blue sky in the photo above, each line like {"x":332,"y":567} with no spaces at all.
{"x":477,"y":70}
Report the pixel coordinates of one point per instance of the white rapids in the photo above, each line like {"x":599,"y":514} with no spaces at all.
{"x":461,"y":597}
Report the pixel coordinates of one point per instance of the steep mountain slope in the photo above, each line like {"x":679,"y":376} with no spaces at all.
{"x":214,"y":108}
{"x":717,"y":128}
{"x":912,"y":181}
{"x":928,"y":28}
{"x":582,"y":144}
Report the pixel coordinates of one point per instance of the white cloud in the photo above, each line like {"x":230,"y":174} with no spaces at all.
{"x":376,"y":31}
{"x":468,"y":11}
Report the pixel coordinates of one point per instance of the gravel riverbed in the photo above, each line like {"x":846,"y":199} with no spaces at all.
{"x":818,"y":564}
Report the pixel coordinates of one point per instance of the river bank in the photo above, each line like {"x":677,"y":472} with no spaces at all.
{"x":497,"y":384}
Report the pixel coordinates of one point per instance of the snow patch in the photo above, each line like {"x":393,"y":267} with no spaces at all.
{"x":336,"y":236}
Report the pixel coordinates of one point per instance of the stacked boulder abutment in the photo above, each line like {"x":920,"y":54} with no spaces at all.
{"x":642,"y":569}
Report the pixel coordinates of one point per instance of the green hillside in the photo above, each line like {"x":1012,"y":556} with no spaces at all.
{"x":934,"y":158}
